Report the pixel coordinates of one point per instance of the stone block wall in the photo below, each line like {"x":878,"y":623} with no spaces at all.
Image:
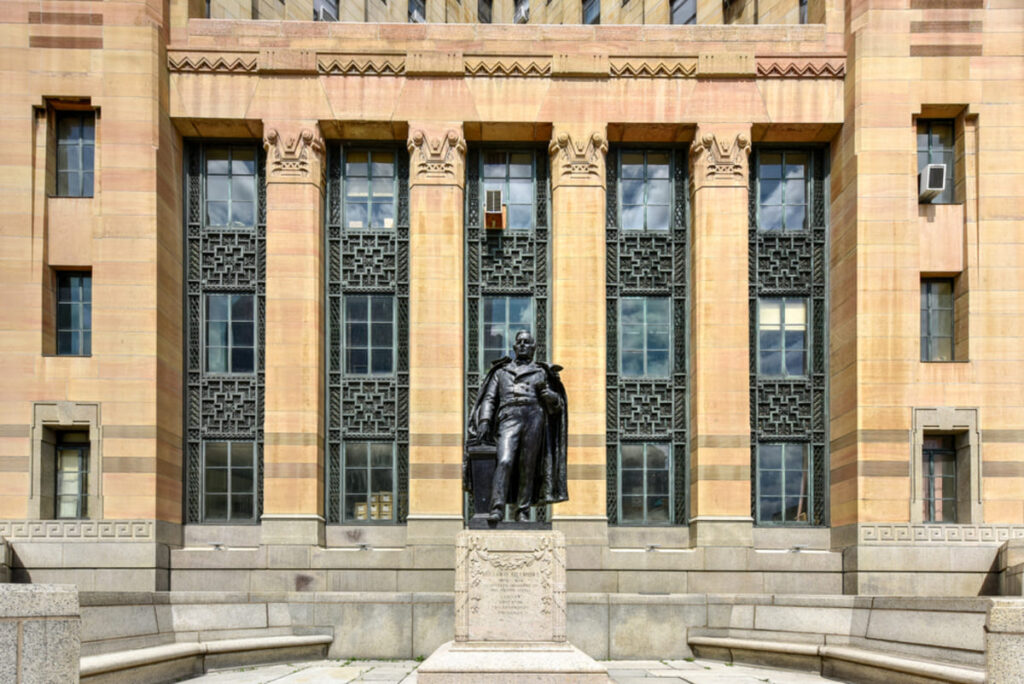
{"x":40,"y":633}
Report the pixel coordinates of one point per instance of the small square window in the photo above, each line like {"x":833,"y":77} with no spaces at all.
{"x":935,"y":145}
{"x":231,"y":186}
{"x":645,"y":337}
{"x":74,"y":313}
{"x":230,"y":333}
{"x":369,"y":189}
{"x":368,"y":487}
{"x":782,"y":190}
{"x":782,"y":337}
{"x":76,"y":147}
{"x":645,"y":188}
{"x":645,"y":483}
{"x":937,"y":319}
{"x":369,"y":334}
{"x":229,"y":482}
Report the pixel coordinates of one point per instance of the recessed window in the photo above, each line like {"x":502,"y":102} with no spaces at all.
{"x":76,"y":146}
{"x":782,"y":336}
{"x":511,"y":173}
{"x":782,"y":190}
{"x":646,"y":191}
{"x":72,"y":471}
{"x":369,"y":334}
{"x":483,"y":11}
{"x":937,"y":319}
{"x":417,"y":11}
{"x":369,"y":189}
{"x":782,"y":483}
{"x":229,"y":477}
{"x":645,"y":331}
{"x":74,"y":313}
{"x":683,"y":11}
{"x":369,"y":483}
{"x":591,"y":12}
{"x":230,"y":333}
{"x":939,"y":470}
{"x":645,"y":483}
{"x":935,"y":145}
{"x":231,"y":186}
{"x":503,"y":318}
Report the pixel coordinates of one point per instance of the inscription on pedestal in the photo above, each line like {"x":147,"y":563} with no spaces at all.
{"x":510,"y":586}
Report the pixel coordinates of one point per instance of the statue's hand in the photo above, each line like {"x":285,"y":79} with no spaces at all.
{"x":485,"y":431}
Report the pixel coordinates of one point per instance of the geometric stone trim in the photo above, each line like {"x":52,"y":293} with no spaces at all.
{"x":718,"y":157}
{"x":438,"y":156}
{"x":906,"y":533}
{"x":810,"y":69}
{"x":578,"y":159}
{"x":297,"y":155}
{"x":136,"y":530}
{"x":361,"y":65}
{"x":502,"y":66}
{"x":212,"y":63}
{"x":679,"y":67}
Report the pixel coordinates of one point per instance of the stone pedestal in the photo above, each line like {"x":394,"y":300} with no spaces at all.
{"x":510,"y":614}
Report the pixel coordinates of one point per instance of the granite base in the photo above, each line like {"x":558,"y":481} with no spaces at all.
{"x":469,"y":662}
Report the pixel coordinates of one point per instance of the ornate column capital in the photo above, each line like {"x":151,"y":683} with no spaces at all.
{"x":437,"y":155}
{"x":295,"y":153}
{"x":577,"y":157}
{"x":718,"y":157}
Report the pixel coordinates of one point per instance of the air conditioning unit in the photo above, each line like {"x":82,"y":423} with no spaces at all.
{"x":931,"y":182}
{"x":494,"y":211}
{"x":522,"y":14}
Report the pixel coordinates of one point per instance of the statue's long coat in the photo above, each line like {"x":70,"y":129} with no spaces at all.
{"x":551,"y":482}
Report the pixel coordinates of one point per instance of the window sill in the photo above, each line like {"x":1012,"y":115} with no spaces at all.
{"x":71,"y":197}
{"x":948,"y":362}
{"x":67,"y":356}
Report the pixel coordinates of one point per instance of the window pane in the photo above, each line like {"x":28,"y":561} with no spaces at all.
{"x":242,"y":360}
{"x":216,"y":454}
{"x":657,"y":509}
{"x":520,"y":165}
{"x":216,"y":507}
{"x":658,"y":217}
{"x":632,"y":192}
{"x":520,"y":192}
{"x":356,"y":215}
{"x":632,"y":509}
{"x":241,"y":307}
{"x":355,"y":454}
{"x":382,"y":361}
{"x":771,"y":191}
{"x":382,"y":215}
{"x":243,"y":161}
{"x":795,"y":363}
{"x":217,"y":360}
{"x":632,"y":455}
{"x":771,"y":217}
{"x":770,"y":508}
{"x":242,"y":507}
{"x":631,"y":310}
{"x":657,"y":364}
{"x":216,"y":480}
{"x":633,"y":218}
{"x":217,"y":213}
{"x":216,"y":160}
{"x":494,"y":165}
{"x":356,"y":163}
{"x":769,"y":456}
{"x":383,"y":164}
{"x":632,"y":164}
{"x":796,"y":217}
{"x":520,"y":216}
{"x":241,"y":333}
{"x":520,"y":313}
{"x":771,"y":165}
{"x":241,"y":454}
{"x":633,"y":364}
{"x":356,"y":308}
{"x":657,"y":482}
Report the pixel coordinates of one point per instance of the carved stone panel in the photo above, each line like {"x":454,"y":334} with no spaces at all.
{"x":510,"y":586}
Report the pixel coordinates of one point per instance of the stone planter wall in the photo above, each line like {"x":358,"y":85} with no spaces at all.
{"x":40,"y":633}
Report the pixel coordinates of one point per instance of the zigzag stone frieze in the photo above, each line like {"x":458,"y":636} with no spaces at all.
{"x":492,"y":66}
{"x":216,"y":63}
{"x":653,"y":68}
{"x":361,"y":65}
{"x":783,"y":69}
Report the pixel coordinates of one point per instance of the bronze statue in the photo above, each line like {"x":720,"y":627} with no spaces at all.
{"x":522,"y":410}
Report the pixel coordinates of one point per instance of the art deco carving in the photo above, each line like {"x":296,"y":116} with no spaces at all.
{"x":217,"y":63}
{"x":577,"y":160}
{"x":505,"y":66}
{"x":719,"y":159}
{"x":906,"y":533}
{"x":138,"y":530}
{"x":437,"y":160}
{"x":653,"y":68}
{"x":294,"y":157}
{"x":819,"y":69}
{"x":361,"y":65}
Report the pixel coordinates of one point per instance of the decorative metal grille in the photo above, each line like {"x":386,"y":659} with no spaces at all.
{"x":509,"y":263}
{"x":219,"y":406}
{"x":366,"y":261}
{"x":793,"y":264}
{"x":640,"y":263}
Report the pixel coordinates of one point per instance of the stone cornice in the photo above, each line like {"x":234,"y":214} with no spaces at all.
{"x":436,"y":157}
{"x":327,"y":63}
{"x":578,"y":159}
{"x":718,"y":158}
{"x":295,"y":156}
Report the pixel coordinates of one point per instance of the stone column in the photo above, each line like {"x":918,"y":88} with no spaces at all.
{"x":437,"y":172}
{"x":578,"y":315}
{"x":719,"y":339}
{"x":293,"y":460}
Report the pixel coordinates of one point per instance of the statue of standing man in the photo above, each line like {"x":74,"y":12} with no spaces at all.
{"x":523,"y":411}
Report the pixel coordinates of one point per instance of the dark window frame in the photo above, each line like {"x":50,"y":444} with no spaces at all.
{"x":369,"y":467}
{"x":229,"y":201}
{"x":783,"y":350}
{"x":229,"y":345}
{"x":508,"y":332}
{"x":931,"y":315}
{"x":348,"y":177}
{"x":229,"y":493}
{"x":807,"y":490}
{"x":81,"y":497}
{"x":784,"y":186}
{"x":646,"y":181}
{"x":928,"y":460}
{"x":347,"y":344}
{"x":669,"y":349}
{"x":506,"y":184}
{"x":669,"y":496}
{"x":81,"y":335}
{"x":79,"y":145}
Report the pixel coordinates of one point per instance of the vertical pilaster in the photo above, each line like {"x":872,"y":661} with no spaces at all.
{"x":293,"y":489}
{"x":578,"y":307}
{"x":719,"y":350}
{"x":437,"y":165}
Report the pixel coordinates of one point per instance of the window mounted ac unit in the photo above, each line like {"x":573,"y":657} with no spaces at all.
{"x":522,"y":13}
{"x":931,"y":182}
{"x":494,"y":211}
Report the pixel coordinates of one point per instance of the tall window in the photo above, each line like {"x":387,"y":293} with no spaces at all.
{"x":231,"y":186}
{"x":935,"y":146}
{"x":512,"y":174}
{"x":503,"y":317}
{"x":74,"y":313}
{"x":483,"y":11}
{"x":369,"y":481}
{"x":645,"y":336}
{"x":803,"y":11}
{"x":369,"y":334}
{"x":417,"y":11}
{"x":369,"y":189}
{"x":683,"y":11}
{"x":939,"y":470}
{"x":782,"y":483}
{"x":76,"y":145}
{"x":645,"y":483}
{"x":591,"y":11}
{"x":782,"y":337}
{"x":782,"y":190}
{"x":230,"y":333}
{"x":229,"y":476}
{"x":646,"y":190}
{"x":72,"y":472}
{"x":937,"y":319}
